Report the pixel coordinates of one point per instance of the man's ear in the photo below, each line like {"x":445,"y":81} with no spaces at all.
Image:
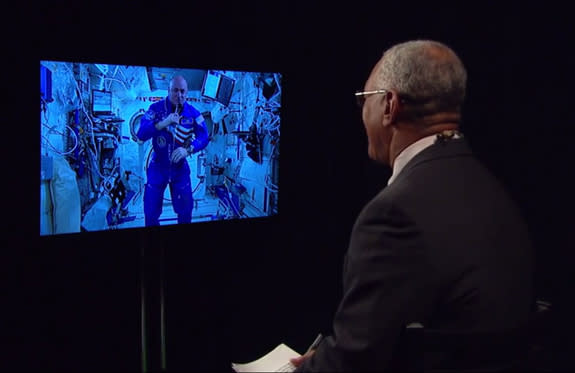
{"x":390,"y":108}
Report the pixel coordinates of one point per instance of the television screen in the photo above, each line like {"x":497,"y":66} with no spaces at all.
{"x":127,"y":146}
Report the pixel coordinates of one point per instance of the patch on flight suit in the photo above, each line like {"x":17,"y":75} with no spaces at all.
{"x":161,"y":141}
{"x":149,"y":115}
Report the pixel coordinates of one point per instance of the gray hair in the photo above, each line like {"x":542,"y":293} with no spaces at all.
{"x":426,"y":73}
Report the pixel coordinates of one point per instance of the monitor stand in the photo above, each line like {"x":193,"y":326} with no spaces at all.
{"x":152,"y":304}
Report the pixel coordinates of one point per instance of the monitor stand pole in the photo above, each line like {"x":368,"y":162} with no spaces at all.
{"x":143,"y":301}
{"x":162,"y":306}
{"x":152,"y":304}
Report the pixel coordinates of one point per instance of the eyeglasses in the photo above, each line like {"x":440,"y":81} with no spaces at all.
{"x":361,"y":96}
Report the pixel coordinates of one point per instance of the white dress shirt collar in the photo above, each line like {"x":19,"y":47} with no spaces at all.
{"x":408,"y":153}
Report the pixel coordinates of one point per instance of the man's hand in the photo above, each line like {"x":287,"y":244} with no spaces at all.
{"x":178,"y":154}
{"x":172,"y":118}
{"x":297,"y":361}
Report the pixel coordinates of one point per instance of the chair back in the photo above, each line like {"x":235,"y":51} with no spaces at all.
{"x":423,"y":349}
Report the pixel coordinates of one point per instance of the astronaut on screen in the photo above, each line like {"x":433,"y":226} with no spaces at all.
{"x":177,"y":130}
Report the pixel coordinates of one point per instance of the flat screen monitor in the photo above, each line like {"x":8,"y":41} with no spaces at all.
{"x":218,"y":87}
{"x":101,"y":102}
{"x":119,"y":150}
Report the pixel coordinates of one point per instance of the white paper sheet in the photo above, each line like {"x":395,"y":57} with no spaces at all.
{"x":276,"y":360}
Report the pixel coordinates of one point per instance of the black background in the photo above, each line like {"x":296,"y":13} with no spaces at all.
{"x":236,"y":289}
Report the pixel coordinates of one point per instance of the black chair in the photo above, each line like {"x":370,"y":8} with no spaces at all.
{"x":515,"y":349}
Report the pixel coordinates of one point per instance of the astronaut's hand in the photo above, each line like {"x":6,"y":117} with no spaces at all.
{"x":178,"y":154}
{"x":172,"y":118}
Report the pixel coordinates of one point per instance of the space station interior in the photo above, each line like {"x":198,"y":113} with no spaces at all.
{"x":93,"y":166}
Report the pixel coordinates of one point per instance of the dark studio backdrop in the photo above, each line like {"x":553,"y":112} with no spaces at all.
{"x":234,"y":290}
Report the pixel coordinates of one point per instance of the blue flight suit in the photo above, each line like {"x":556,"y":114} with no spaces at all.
{"x":161,"y":171}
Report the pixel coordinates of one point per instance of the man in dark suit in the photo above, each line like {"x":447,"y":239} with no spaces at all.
{"x":443,"y":244}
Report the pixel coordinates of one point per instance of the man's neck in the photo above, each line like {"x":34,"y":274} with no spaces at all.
{"x":406,"y":134}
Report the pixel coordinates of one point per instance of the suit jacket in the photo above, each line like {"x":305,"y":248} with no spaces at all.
{"x":443,"y":245}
